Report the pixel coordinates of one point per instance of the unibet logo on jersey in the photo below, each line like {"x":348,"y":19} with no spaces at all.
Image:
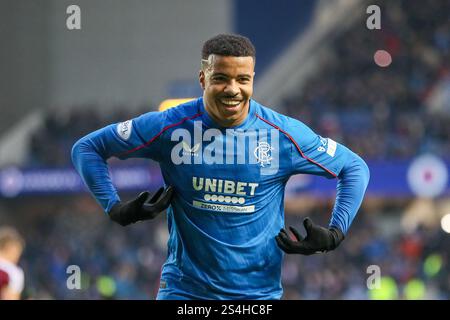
{"x":222,"y":195}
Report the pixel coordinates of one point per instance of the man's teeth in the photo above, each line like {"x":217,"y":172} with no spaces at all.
{"x":230,"y":102}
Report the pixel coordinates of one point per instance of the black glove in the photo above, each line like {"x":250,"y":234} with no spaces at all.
{"x":318,"y":239}
{"x":141,"y":208}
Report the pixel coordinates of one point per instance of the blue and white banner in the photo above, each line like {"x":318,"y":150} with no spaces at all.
{"x":16,"y":181}
{"x":424,"y":176}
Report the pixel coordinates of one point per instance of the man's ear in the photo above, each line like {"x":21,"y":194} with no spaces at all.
{"x":201,"y":79}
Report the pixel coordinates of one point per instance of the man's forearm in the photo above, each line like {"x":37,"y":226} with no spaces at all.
{"x":352,"y":184}
{"x":93,"y":169}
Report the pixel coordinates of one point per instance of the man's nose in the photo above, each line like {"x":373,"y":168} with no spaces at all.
{"x":232,"y":88}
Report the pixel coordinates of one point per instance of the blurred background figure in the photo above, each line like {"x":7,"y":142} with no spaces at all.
{"x":315,"y":63}
{"x":11,"y":274}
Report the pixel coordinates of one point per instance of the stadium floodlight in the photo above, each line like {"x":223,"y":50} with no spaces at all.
{"x":445,"y":223}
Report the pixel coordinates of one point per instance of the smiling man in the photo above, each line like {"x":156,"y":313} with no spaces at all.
{"x":227,"y":83}
{"x":226,"y":160}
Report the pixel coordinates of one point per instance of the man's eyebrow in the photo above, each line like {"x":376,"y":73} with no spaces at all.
{"x":225,"y":75}
{"x":219,"y":74}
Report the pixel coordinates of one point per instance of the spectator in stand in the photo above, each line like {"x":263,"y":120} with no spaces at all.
{"x":11,"y":275}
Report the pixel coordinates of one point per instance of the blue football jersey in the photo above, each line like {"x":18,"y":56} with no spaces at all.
{"x":229,"y":191}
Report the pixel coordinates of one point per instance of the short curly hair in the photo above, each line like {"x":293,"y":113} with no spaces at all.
{"x":228,"y":45}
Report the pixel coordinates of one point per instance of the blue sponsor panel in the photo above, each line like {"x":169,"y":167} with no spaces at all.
{"x":425,"y":176}
{"x":387,"y":178}
{"x":22,"y":181}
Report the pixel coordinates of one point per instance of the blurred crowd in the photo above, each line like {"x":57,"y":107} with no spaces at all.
{"x":52,"y":142}
{"x":410,"y":265}
{"x":377,"y":112}
{"x":125,"y":263}
{"x":391,"y":112}
{"x":115,"y":262}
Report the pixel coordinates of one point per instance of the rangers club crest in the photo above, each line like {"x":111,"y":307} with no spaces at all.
{"x":263,"y":153}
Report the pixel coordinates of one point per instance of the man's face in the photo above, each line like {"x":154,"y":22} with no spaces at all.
{"x":12,"y":252}
{"x":227,"y":84}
